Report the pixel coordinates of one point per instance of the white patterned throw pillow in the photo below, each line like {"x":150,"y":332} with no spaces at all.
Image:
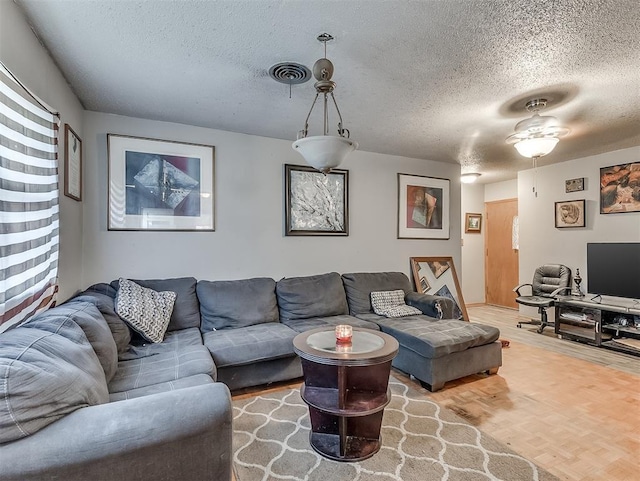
{"x":146,"y":311}
{"x":391,"y":304}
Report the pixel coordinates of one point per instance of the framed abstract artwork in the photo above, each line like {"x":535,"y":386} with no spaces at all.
{"x":423,"y":207}
{"x":72,"y":164}
{"x":620,"y":188}
{"x":160,"y":185}
{"x":315,"y":203}
{"x":439,"y":276}
{"x":570,"y":213}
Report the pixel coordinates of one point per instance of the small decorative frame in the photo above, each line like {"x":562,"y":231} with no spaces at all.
{"x":574,"y":185}
{"x":570,"y":213}
{"x":160,"y":185}
{"x":72,"y":164}
{"x":473,"y":223}
{"x":619,"y":191}
{"x":440,"y":276}
{"x":423,"y":207}
{"x":315,"y":203}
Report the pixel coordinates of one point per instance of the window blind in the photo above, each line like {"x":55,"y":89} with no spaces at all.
{"x":29,"y":225}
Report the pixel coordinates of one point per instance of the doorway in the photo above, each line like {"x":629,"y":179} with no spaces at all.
{"x":501,"y":259}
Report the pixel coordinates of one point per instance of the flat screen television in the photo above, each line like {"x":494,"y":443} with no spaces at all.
{"x":613,"y":269}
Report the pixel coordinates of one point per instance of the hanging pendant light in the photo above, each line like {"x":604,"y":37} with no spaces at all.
{"x":324,"y":152}
{"x":538,"y":135}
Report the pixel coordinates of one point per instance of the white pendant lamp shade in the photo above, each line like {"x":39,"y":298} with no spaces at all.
{"x":324,"y":152}
{"x":536,"y":147}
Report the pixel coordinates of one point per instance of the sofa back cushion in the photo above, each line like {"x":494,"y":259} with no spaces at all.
{"x":86,"y":315}
{"x":241,"y":303}
{"x":103,"y":297}
{"x":47,"y":370}
{"x":360,"y":285}
{"x":186,"y":310}
{"x":313,"y":296}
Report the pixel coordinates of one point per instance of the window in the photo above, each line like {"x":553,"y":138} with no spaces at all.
{"x":29,"y":226}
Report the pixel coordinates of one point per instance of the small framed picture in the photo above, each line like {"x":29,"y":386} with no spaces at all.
{"x":316,"y":203}
{"x":473,"y":223}
{"x":72,"y":164}
{"x":574,"y":185}
{"x":570,"y":213}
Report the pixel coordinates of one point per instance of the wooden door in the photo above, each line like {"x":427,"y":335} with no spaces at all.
{"x":501,"y":259}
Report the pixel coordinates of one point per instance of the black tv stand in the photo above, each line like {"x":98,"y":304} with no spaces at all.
{"x":610,"y":324}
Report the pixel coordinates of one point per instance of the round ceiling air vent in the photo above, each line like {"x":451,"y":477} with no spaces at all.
{"x":289,"y":73}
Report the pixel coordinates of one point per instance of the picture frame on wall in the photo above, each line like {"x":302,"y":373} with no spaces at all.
{"x":620,"y":188}
{"x":423,"y":207}
{"x":574,"y":185}
{"x":316,"y":204}
{"x":72,"y":164}
{"x":160,"y":185}
{"x":570,"y":213}
{"x":473,"y":223}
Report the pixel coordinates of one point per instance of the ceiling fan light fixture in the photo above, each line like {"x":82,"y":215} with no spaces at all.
{"x":536,"y":146}
{"x":536,"y":136}
{"x":469,"y":178}
{"x":324,"y":152}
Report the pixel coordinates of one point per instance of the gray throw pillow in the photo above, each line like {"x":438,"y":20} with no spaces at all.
{"x":104,"y":297}
{"x":391,"y":304}
{"x":146,"y":311}
{"x":48,"y":369}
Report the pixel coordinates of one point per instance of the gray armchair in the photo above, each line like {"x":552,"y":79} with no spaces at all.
{"x":549,"y":281}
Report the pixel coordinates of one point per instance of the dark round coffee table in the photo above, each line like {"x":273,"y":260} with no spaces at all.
{"x":346,"y":388}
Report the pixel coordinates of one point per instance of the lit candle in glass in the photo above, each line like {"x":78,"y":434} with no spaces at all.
{"x":343,"y":334}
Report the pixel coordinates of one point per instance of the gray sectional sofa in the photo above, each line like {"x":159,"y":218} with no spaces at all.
{"x":86,"y":398}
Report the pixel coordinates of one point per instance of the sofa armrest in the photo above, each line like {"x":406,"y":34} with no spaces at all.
{"x":175,"y":435}
{"x":432,"y":306}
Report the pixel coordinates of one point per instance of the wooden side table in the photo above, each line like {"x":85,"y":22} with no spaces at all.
{"x":346,"y":389}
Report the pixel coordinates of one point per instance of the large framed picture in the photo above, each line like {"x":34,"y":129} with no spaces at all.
{"x":160,"y":185}
{"x":620,"y":188}
{"x":570,"y":213}
{"x":437,"y":275}
{"x":72,"y":164}
{"x":315,"y":203}
{"x":423,"y":207}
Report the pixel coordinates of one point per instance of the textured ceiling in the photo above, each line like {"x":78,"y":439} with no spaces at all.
{"x":438,"y":80}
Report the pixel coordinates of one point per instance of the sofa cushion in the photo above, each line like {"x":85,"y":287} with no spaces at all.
{"x":48,"y":369}
{"x":359,"y":286}
{"x":251,"y":344}
{"x":302,"y":325}
{"x":146,"y":311}
{"x":186,"y":310}
{"x":181,"y":383}
{"x":86,"y":315}
{"x":174,"y":341}
{"x":233,"y":304}
{"x":104,"y":296}
{"x":312,"y":296}
{"x":162,"y":367}
{"x":437,"y":338}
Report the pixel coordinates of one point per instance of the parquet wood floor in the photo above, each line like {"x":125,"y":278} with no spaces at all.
{"x":573,"y":409}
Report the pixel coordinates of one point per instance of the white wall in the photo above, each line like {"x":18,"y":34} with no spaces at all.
{"x":507,"y":189}
{"x":249,"y":238}
{"x":472,"y":272}
{"x":541,"y":242}
{"x":21,"y":52}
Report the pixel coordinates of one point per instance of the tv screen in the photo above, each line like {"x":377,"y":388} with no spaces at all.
{"x":613,"y":269}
